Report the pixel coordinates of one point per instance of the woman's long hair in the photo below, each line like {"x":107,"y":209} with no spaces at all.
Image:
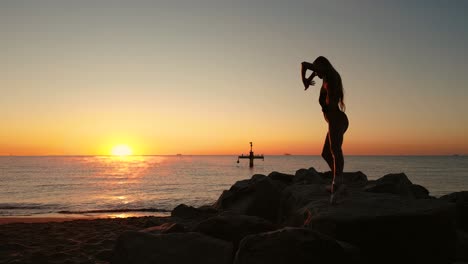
{"x":334,"y":80}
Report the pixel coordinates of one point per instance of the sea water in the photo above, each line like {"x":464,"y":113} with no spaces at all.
{"x":154,"y":185}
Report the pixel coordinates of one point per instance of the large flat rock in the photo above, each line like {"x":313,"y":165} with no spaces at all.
{"x":174,"y":248}
{"x":290,"y":245}
{"x":389,"y":225}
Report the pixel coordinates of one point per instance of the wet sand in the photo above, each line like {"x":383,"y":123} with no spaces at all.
{"x":65,"y":240}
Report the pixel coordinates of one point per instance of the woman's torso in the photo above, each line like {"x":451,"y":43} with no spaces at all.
{"x":330,"y":105}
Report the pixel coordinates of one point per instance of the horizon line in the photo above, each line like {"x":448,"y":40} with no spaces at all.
{"x":178,"y":155}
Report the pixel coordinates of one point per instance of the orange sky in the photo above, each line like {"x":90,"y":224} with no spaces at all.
{"x":209,"y":78}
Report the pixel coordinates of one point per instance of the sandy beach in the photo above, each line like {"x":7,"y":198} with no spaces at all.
{"x":65,"y":240}
{"x":30,"y":220}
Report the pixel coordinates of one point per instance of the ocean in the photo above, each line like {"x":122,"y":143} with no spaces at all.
{"x":109,"y":186}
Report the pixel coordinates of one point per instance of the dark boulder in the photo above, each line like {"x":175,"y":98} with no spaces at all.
{"x":290,"y":245}
{"x":145,"y":248}
{"x":282,"y":177}
{"x":462,"y":246}
{"x":259,"y":196}
{"x":233,"y":228}
{"x":354,"y":179}
{"x":398,"y":184}
{"x":295,"y":197}
{"x":308,"y":176}
{"x":392,"y":183}
{"x":460,"y":199}
{"x":247,"y":183}
{"x":381,"y":224}
{"x":166,"y":228}
{"x":327,"y":175}
{"x":420,"y":192}
{"x":190,"y":212}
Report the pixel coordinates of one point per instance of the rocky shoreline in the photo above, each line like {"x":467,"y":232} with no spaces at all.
{"x":283,"y":218}
{"x":275,"y":218}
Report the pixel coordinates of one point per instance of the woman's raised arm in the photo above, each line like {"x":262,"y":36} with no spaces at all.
{"x":307,"y":81}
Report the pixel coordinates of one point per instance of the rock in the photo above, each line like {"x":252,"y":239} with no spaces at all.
{"x":419,"y":192}
{"x":175,"y":248}
{"x":381,"y":224}
{"x":166,"y":228}
{"x":185,"y":211}
{"x":259,"y":196}
{"x":295,"y":197}
{"x":289,"y":245}
{"x":12,"y":246}
{"x":327,"y":175}
{"x":104,"y":255}
{"x":233,"y":228}
{"x":462,"y":246}
{"x":389,"y":220}
{"x":403,"y":188}
{"x":352,"y":252}
{"x":460,"y":199}
{"x":190,"y":212}
{"x":308,"y":176}
{"x":37,"y":257}
{"x":245,"y":184}
{"x":282,"y":177}
{"x":354,"y":179}
{"x":392,"y":183}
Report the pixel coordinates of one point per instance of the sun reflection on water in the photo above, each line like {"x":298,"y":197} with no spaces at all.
{"x":120,"y":183}
{"x":125,"y":167}
{"x":124,"y":215}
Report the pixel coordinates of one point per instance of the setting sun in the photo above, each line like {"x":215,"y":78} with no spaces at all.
{"x":121,"y":150}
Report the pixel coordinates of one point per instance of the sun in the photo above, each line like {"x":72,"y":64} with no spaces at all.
{"x":121,"y":150}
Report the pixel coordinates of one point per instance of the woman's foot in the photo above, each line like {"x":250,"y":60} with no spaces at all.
{"x":338,"y":191}
{"x":333,"y":199}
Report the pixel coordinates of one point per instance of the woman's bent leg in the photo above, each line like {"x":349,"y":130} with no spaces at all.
{"x":336,"y":132}
{"x":336,"y":141}
{"x":327,"y":154}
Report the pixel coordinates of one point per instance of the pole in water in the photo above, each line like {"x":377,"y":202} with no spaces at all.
{"x":251,"y":157}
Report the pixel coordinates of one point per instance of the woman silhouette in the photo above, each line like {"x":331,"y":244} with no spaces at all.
{"x":333,"y":107}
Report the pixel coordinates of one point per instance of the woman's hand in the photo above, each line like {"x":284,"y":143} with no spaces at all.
{"x":311,"y":81}
{"x":307,"y":81}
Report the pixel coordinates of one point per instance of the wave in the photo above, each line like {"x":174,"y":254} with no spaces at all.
{"x":25,"y":206}
{"x":28,"y":209}
{"x":119,"y":210}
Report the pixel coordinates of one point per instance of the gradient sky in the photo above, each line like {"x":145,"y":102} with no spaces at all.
{"x":207,"y":77}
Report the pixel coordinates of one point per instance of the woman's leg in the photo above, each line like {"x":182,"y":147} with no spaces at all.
{"x":327,"y":154}
{"x":336,"y":141}
{"x":337,"y":128}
